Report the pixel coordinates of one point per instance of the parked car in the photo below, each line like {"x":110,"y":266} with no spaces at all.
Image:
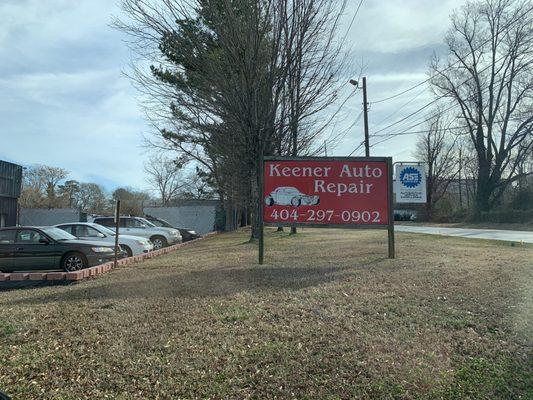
{"x":132,"y":245}
{"x":32,"y":248}
{"x":186,"y":234}
{"x":288,"y":195}
{"x":136,"y":226}
{"x":405,"y":215}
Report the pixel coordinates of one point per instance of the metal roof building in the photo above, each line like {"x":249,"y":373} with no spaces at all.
{"x":10,"y":188}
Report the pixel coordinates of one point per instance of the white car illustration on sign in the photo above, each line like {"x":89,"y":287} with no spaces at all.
{"x":290,"y":196}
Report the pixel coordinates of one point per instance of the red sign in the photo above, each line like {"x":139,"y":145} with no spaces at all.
{"x":322,"y":192}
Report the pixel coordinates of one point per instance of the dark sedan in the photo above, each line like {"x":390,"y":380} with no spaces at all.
{"x":186,"y":234}
{"x":43,"y":248}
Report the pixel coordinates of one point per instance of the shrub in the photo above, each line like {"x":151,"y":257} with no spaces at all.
{"x":507,"y":215}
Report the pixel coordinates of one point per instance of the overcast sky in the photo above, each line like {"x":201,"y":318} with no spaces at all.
{"x":65,"y":102}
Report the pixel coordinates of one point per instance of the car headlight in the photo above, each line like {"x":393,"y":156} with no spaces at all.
{"x":176,"y":233}
{"x":192,"y":232}
{"x":141,"y":242}
{"x":102,"y":249}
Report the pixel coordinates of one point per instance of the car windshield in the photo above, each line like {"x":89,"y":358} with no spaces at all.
{"x":58,"y":234}
{"x":161,"y":222}
{"x":146,"y":222}
{"x":104,"y":229}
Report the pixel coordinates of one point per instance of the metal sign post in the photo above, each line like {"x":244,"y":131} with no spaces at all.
{"x":117,"y":224}
{"x":340,"y":192}
{"x":390,"y":228}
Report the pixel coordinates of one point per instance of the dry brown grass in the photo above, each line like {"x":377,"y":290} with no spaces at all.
{"x":327,"y":317}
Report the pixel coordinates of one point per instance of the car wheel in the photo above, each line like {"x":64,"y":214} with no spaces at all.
{"x":4,"y":396}
{"x":127,"y":250}
{"x":159,"y":242}
{"x":296,"y":201}
{"x":73,"y":262}
{"x":269,"y":201}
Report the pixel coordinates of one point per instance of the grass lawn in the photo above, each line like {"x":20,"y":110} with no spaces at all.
{"x":327,"y":317}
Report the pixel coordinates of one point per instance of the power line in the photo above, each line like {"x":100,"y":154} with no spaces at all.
{"x":453,"y":64}
{"x":438,"y":98}
{"x":423,"y":131}
{"x":402,"y":92}
{"x":433,"y":101}
{"x":410,"y":115}
{"x":357,"y":148}
{"x":353,"y":19}
{"x":401,"y":107}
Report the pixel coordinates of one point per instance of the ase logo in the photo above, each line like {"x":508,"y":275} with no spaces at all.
{"x":410,"y":177}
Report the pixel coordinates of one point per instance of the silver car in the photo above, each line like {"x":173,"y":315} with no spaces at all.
{"x":132,"y":245}
{"x":135,"y":226}
{"x":290,"y":196}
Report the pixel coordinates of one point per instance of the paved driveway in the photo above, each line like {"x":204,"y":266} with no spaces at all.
{"x":493,"y":234}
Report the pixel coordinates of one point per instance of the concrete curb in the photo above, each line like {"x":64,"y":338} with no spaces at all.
{"x":96,"y":270}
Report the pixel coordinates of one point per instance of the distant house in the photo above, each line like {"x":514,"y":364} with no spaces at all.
{"x":10,"y":188}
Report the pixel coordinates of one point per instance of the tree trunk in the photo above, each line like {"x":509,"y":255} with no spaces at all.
{"x":256,"y":206}
{"x":484,"y":189}
{"x":229,"y":215}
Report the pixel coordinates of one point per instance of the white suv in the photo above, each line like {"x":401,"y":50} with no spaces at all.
{"x":160,"y":237}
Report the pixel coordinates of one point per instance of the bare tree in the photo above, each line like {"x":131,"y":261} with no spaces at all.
{"x":488,"y":74}
{"x":69,"y":190}
{"x":436,"y":149}
{"x":91,"y":198}
{"x":132,"y":202}
{"x":165,"y":176}
{"x":40,"y":186}
{"x":196,"y":187}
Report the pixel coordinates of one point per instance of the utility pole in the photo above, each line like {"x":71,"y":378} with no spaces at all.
{"x":365,"y":112}
{"x":117,"y":224}
{"x":460,"y":180}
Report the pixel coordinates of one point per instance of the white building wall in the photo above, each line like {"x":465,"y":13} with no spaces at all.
{"x":47,"y":217}
{"x":201,"y":218}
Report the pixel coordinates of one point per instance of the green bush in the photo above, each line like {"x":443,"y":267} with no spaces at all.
{"x":522,"y":199}
{"x":507,"y":215}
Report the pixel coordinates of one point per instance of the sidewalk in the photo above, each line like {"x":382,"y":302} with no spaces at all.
{"x":491,"y":234}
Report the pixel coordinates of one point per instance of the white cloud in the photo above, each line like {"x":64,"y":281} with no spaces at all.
{"x":63,"y":98}
{"x":65,"y":102}
{"x":394,"y":26}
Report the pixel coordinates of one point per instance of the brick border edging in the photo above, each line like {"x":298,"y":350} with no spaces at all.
{"x":97,"y":269}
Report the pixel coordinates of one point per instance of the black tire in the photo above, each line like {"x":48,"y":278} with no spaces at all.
{"x":159,"y":242}
{"x":269,"y":201}
{"x":127,"y":250}
{"x":73,"y":261}
{"x":4,"y":396}
{"x":295,"y":201}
